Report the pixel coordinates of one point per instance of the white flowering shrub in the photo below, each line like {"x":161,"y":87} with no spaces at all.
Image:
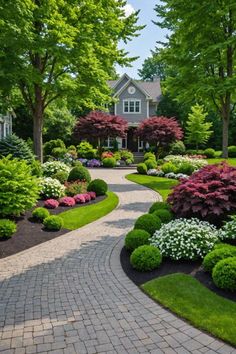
{"x":186,"y":239}
{"x":51,"y":188}
{"x":154,"y":172}
{"x":177,"y":160}
{"x":228,"y":231}
{"x":51,"y":167}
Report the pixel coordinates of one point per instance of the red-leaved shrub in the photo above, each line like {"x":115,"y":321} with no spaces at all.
{"x":87,"y":197}
{"x":209,"y":194}
{"x":67,"y":201}
{"x":92,"y":195}
{"x":79,"y":199}
{"x":51,"y":204}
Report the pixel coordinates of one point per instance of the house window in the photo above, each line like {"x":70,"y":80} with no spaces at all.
{"x":131,"y":106}
{"x":109,"y":143}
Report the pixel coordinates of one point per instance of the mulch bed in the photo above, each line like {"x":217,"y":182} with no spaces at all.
{"x":30,"y":233}
{"x":170,"y":267}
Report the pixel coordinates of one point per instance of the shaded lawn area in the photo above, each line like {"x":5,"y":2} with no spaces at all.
{"x":158,"y":184}
{"x":188,"y":298}
{"x":231,"y":161}
{"x":78,"y":217}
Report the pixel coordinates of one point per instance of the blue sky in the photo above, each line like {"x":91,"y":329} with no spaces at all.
{"x":142,"y":45}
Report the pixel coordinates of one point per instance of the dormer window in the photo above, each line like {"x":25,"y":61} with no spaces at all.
{"x":131,"y":106}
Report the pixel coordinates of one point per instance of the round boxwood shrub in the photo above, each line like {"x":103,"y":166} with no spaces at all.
{"x":7,"y":228}
{"x":52,"y":144}
{"x":136,"y":238}
{"x":40,"y":214}
{"x":151,"y":164}
{"x":148,"y":222}
{"x":223,"y":245}
{"x":224,"y":274}
{"x":16,"y":147}
{"x":109,"y":162}
{"x":53,"y":223}
{"x":159,"y":205}
{"x":61,"y":176}
{"x":98,"y":186}
{"x":164,"y":214}
{"x":149,"y":156}
{"x":142,"y":169}
{"x":177,"y":148}
{"x":145,"y":258}
{"x":212,"y":258}
{"x":210,"y":153}
{"x":79,"y":173}
{"x":232,"y":151}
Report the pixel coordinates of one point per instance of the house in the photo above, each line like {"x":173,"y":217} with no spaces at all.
{"x":134,"y":101}
{"x":5,"y":125}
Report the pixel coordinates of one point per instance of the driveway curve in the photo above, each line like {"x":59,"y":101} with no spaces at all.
{"x":70,"y":294}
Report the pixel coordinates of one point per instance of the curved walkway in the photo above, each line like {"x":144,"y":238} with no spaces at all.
{"x":70,"y":295}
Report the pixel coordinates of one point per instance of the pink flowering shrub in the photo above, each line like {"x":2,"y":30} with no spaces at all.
{"x":79,"y":199}
{"x":92,"y":195}
{"x":67,"y":201}
{"x":87,"y":197}
{"x":51,"y":203}
{"x":209,"y":194}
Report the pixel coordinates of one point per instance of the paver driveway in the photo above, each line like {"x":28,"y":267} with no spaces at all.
{"x":70,"y":295}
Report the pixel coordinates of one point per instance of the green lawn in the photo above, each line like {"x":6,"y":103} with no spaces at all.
{"x":188,"y":298}
{"x":231,"y":162}
{"x":158,"y":184}
{"x":76,"y":218}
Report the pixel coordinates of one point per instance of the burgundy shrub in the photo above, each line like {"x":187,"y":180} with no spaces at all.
{"x":87,"y":197}
{"x":67,"y":201}
{"x":51,"y":204}
{"x":92,"y":195}
{"x":79,"y":199}
{"x":209,"y":194}
{"x":160,"y":130}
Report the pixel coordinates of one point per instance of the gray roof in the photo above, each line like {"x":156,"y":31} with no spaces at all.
{"x":152,"y":88}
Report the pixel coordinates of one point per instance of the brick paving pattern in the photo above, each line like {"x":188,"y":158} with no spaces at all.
{"x":70,"y":295}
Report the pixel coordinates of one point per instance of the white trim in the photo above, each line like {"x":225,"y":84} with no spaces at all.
{"x":115,"y":109}
{"x":132,"y":82}
{"x":132,"y":100}
{"x":140,"y":144}
{"x":120,"y":79}
{"x":148,"y":113}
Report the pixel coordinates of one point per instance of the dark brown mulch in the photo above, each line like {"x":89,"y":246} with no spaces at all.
{"x":30,"y":233}
{"x":170,"y":267}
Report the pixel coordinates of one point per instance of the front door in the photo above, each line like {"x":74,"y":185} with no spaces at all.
{"x":132,"y":140}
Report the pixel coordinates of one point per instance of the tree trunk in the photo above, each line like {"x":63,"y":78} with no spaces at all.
{"x":225,"y":120}
{"x":38,"y":123}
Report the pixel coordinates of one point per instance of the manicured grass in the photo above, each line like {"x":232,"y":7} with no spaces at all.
{"x":76,"y":218}
{"x":231,"y":161}
{"x":188,"y":298}
{"x":158,"y":184}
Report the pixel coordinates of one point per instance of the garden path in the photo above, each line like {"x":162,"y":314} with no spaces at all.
{"x":70,"y":295}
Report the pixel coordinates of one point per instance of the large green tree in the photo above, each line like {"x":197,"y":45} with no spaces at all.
{"x":57,"y":48}
{"x":201,"y":49}
{"x":153,"y":67}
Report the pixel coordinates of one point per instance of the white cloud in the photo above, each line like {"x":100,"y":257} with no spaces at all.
{"x":129,"y":10}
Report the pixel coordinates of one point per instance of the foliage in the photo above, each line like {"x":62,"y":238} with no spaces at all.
{"x":58,"y":153}
{"x":136,"y":238}
{"x":40,"y":214}
{"x":212,"y":258}
{"x":51,"y":167}
{"x":148,"y":222}
{"x":16,"y":147}
{"x":228,"y":231}
{"x":53,"y":223}
{"x":232,"y":151}
{"x":98,"y":186}
{"x":107,"y":154}
{"x":197,"y":163}
{"x":87,"y":197}
{"x":187,"y":239}
{"x":197,"y":129}
{"x":168,"y":167}
{"x":160,"y":131}
{"x":210,"y":153}
{"x":61,"y":176}
{"x":94,"y":163}
{"x":36,"y":168}
{"x":151,"y":164}
{"x":164,"y":214}
{"x":224,"y":274}
{"x":145,"y":258}
{"x":51,"y":203}
{"x":153,"y":68}
{"x":188,"y":298}
{"x":109,"y":162}
{"x":52,"y":144}
{"x":79,"y":198}
{"x":19,"y":190}
{"x":177,"y":148}
{"x":126,"y":155}
{"x":86,"y":151}
{"x":51,"y":188}
{"x":79,"y":173}
{"x":92,"y":195}
{"x":142,"y":168}
{"x":209,"y":194}
{"x":76,"y":187}
{"x":159,"y":206}
{"x":7,"y":228}
{"x":67,"y":201}
{"x":101,"y":125}
{"x":149,"y":156}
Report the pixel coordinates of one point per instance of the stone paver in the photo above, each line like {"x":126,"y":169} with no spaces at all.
{"x":70,"y":295}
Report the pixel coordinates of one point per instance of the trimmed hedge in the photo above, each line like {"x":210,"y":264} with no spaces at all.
{"x":53,"y":223}
{"x":98,"y":186}
{"x":148,"y":222}
{"x":40,"y":214}
{"x":79,"y":173}
{"x":136,"y":238}
{"x":212,"y":258}
{"x":145,"y":258}
{"x":164,"y":214}
{"x":7,"y":228}
{"x":142,"y":169}
{"x":158,"y":205}
{"x":224,"y":274}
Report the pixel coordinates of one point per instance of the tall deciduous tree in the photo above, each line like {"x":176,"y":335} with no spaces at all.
{"x":100,"y":125}
{"x":201,"y":48}
{"x":153,"y":67}
{"x":197,"y":129}
{"x":56,"y":48}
